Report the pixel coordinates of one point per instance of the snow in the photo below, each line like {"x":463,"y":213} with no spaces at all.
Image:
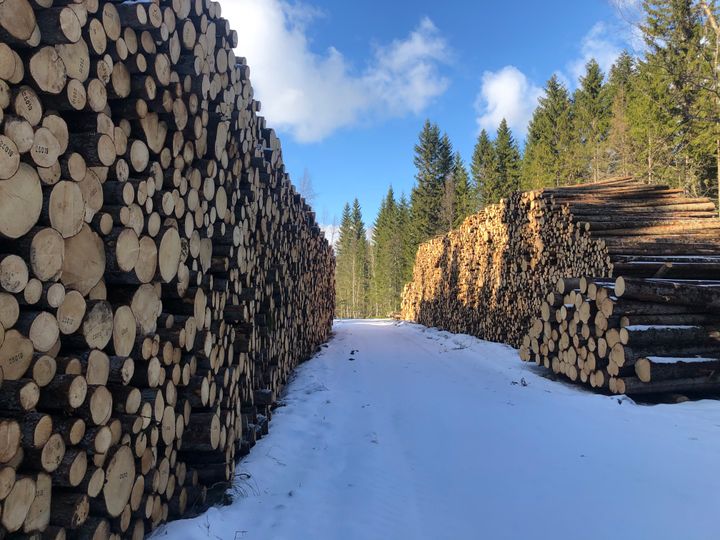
{"x":671,"y":360}
{"x":422,"y":434}
{"x":646,"y":327}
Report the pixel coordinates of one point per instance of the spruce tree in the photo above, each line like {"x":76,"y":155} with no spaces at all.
{"x":407,"y":252}
{"x":383,"y":246}
{"x":592,"y":122}
{"x":360,"y":266}
{"x":391,"y":255}
{"x":547,"y":149}
{"x":433,"y":161}
{"x":448,"y":204}
{"x":506,"y":177}
{"x":620,"y":150}
{"x":673,"y":34}
{"x":464,"y":197}
{"x":482,"y":168}
{"x":652,"y":129}
{"x":352,"y":265}
{"x":344,"y":257}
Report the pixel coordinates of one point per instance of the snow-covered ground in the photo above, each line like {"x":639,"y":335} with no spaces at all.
{"x":423,"y":434}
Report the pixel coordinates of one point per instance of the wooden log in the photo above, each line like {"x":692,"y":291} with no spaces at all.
{"x":70,"y":510}
{"x":659,"y":368}
{"x":669,"y":292}
{"x":20,"y":202}
{"x":19,"y":395}
{"x":17,"y":504}
{"x":634,"y":386}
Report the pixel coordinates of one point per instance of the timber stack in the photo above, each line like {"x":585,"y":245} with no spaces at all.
{"x":556,"y":272}
{"x":160,"y":276}
{"x":631,"y":335}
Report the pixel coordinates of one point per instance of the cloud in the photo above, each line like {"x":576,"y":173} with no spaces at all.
{"x":310,"y":94}
{"x":508,"y":94}
{"x":606,"y":40}
{"x":405,"y":74}
{"x":331,"y":232}
{"x":626,"y":4}
{"x":600,"y":43}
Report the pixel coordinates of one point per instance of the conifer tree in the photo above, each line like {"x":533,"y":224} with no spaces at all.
{"x":360,"y":263}
{"x":506,"y":176}
{"x":383,"y":246}
{"x":592,"y":121}
{"x":406,"y":253}
{"x":547,"y":149}
{"x":465,"y":203}
{"x":651,"y":126}
{"x":344,"y":255}
{"x":621,"y":154}
{"x":352,"y":264}
{"x":683,"y":43}
{"x":674,"y":38}
{"x":433,"y":161}
{"x":447,"y":205}
{"x":482,"y":168}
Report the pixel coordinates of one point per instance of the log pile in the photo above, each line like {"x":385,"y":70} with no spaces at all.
{"x":634,"y":336}
{"x":537,"y":271}
{"x":160,"y":276}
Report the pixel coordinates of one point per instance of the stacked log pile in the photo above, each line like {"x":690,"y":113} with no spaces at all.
{"x":546,"y":261}
{"x":631,"y":335}
{"x":160,"y":277}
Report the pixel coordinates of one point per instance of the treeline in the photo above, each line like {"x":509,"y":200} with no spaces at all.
{"x":656,"y":117}
{"x":372,"y":269}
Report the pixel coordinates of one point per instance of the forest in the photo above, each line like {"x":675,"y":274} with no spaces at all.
{"x":654,"y":116}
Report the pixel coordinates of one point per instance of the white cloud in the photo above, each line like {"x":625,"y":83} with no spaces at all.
{"x":629,"y":16}
{"x":602,"y":43}
{"x":312,"y":95}
{"x":626,"y":4}
{"x":508,"y":94}
{"x":331,"y":232}
{"x":405,"y":74}
{"x":606,"y":40}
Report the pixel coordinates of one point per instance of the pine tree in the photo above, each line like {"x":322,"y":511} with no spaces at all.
{"x":547,"y":149}
{"x":506,"y":177}
{"x":482,"y":168}
{"x":464,"y":197}
{"x":592,"y":121}
{"x":433,"y":161}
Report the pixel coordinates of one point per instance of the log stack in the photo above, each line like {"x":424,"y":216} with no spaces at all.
{"x":634,"y":336}
{"x":160,"y":276}
{"x":538,"y":271}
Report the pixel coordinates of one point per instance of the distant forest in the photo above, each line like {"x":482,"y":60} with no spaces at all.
{"x":656,"y":117}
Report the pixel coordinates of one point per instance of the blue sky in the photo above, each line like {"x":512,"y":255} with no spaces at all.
{"x":348,"y":85}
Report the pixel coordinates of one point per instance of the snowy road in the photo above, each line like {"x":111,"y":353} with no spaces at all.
{"x":427,"y":435}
